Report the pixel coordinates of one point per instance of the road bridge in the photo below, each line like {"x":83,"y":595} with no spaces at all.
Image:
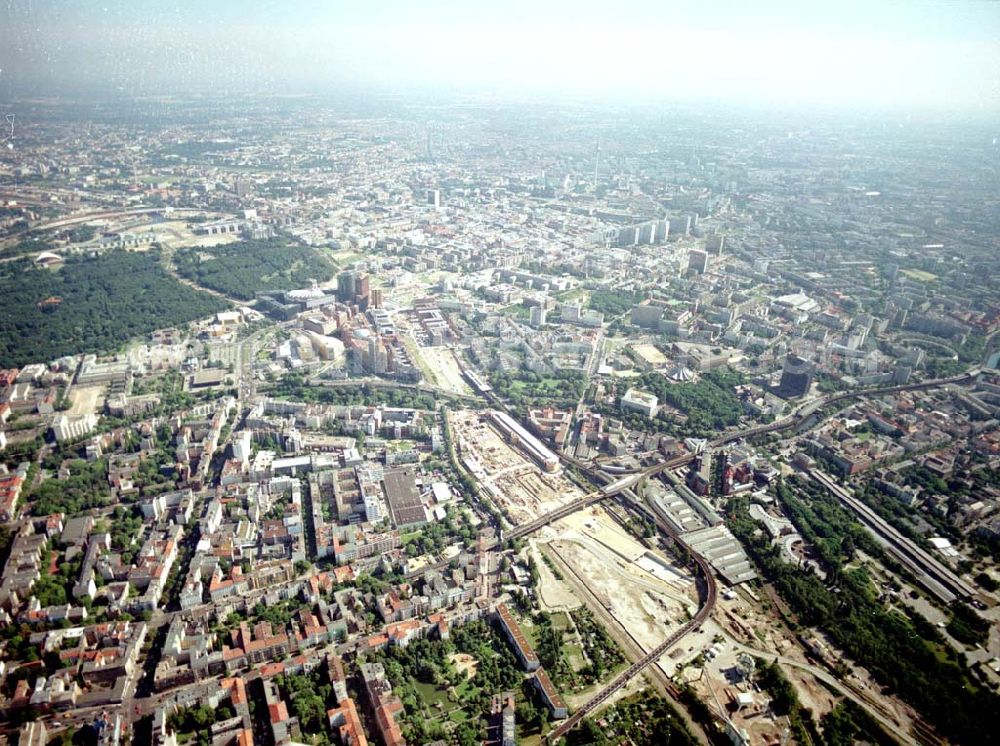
{"x":710,"y":596}
{"x":608,"y":490}
{"x":705,"y":570}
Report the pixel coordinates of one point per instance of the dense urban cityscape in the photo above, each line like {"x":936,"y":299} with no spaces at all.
{"x":330,"y":426}
{"x":459,"y":419}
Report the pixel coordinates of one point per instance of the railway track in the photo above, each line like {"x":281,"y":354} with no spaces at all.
{"x":651,"y":657}
{"x":708,"y":604}
{"x":705,"y":571}
{"x":629,"y":643}
{"x":935,"y":578}
{"x":609,"y":490}
{"x":795,"y":419}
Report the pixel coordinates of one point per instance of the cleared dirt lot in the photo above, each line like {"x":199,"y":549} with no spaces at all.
{"x":553,"y":594}
{"x":177,"y":235}
{"x":445,"y":368}
{"x":86,"y":400}
{"x":649,"y":615}
{"x":464,"y":663}
{"x":514,"y":482}
{"x":649,"y":354}
{"x":605,"y":560}
{"x":748,"y":626}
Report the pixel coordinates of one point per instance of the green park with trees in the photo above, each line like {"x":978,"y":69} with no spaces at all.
{"x":243,"y":269}
{"x":903,"y":651}
{"x":296,"y":387}
{"x":709,"y":404}
{"x":613,"y":303}
{"x":91,"y":304}
{"x":438,"y":697}
{"x":525,"y":388}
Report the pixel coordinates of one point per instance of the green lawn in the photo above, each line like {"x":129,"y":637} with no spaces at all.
{"x":574,"y":655}
{"x":919,"y":275}
{"x":430,"y":695}
{"x":530,"y":630}
{"x":517,"y":311}
{"x":565,"y":296}
{"x":343,"y":258}
{"x":560,"y":621}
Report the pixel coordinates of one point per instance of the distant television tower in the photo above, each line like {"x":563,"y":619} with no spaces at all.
{"x":8,"y":140}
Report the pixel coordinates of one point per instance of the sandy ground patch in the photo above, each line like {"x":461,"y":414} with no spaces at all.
{"x":646,"y":607}
{"x":464,"y":663}
{"x":514,"y":482}
{"x":648,"y":614}
{"x":719,"y":684}
{"x":650,"y":354}
{"x":178,"y":236}
{"x":742,"y":618}
{"x":596,"y":524}
{"x":445,"y":367}
{"x":812,"y":693}
{"x":553,"y":594}
{"x":86,"y":399}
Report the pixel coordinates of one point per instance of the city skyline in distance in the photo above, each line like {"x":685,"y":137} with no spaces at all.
{"x":915,"y":56}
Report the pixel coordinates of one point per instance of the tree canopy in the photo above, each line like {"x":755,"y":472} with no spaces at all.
{"x":902,"y":651}
{"x":91,"y":304}
{"x":243,"y":269}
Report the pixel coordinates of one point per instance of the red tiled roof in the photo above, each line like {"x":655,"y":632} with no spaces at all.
{"x":269,"y":670}
{"x":278,"y":712}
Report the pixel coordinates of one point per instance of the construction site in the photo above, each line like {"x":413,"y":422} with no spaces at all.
{"x":741,"y":637}
{"x":641,"y":594}
{"x":517,"y":485}
{"x":86,"y":400}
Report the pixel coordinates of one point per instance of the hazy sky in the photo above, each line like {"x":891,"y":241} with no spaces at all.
{"x":907,"y":53}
